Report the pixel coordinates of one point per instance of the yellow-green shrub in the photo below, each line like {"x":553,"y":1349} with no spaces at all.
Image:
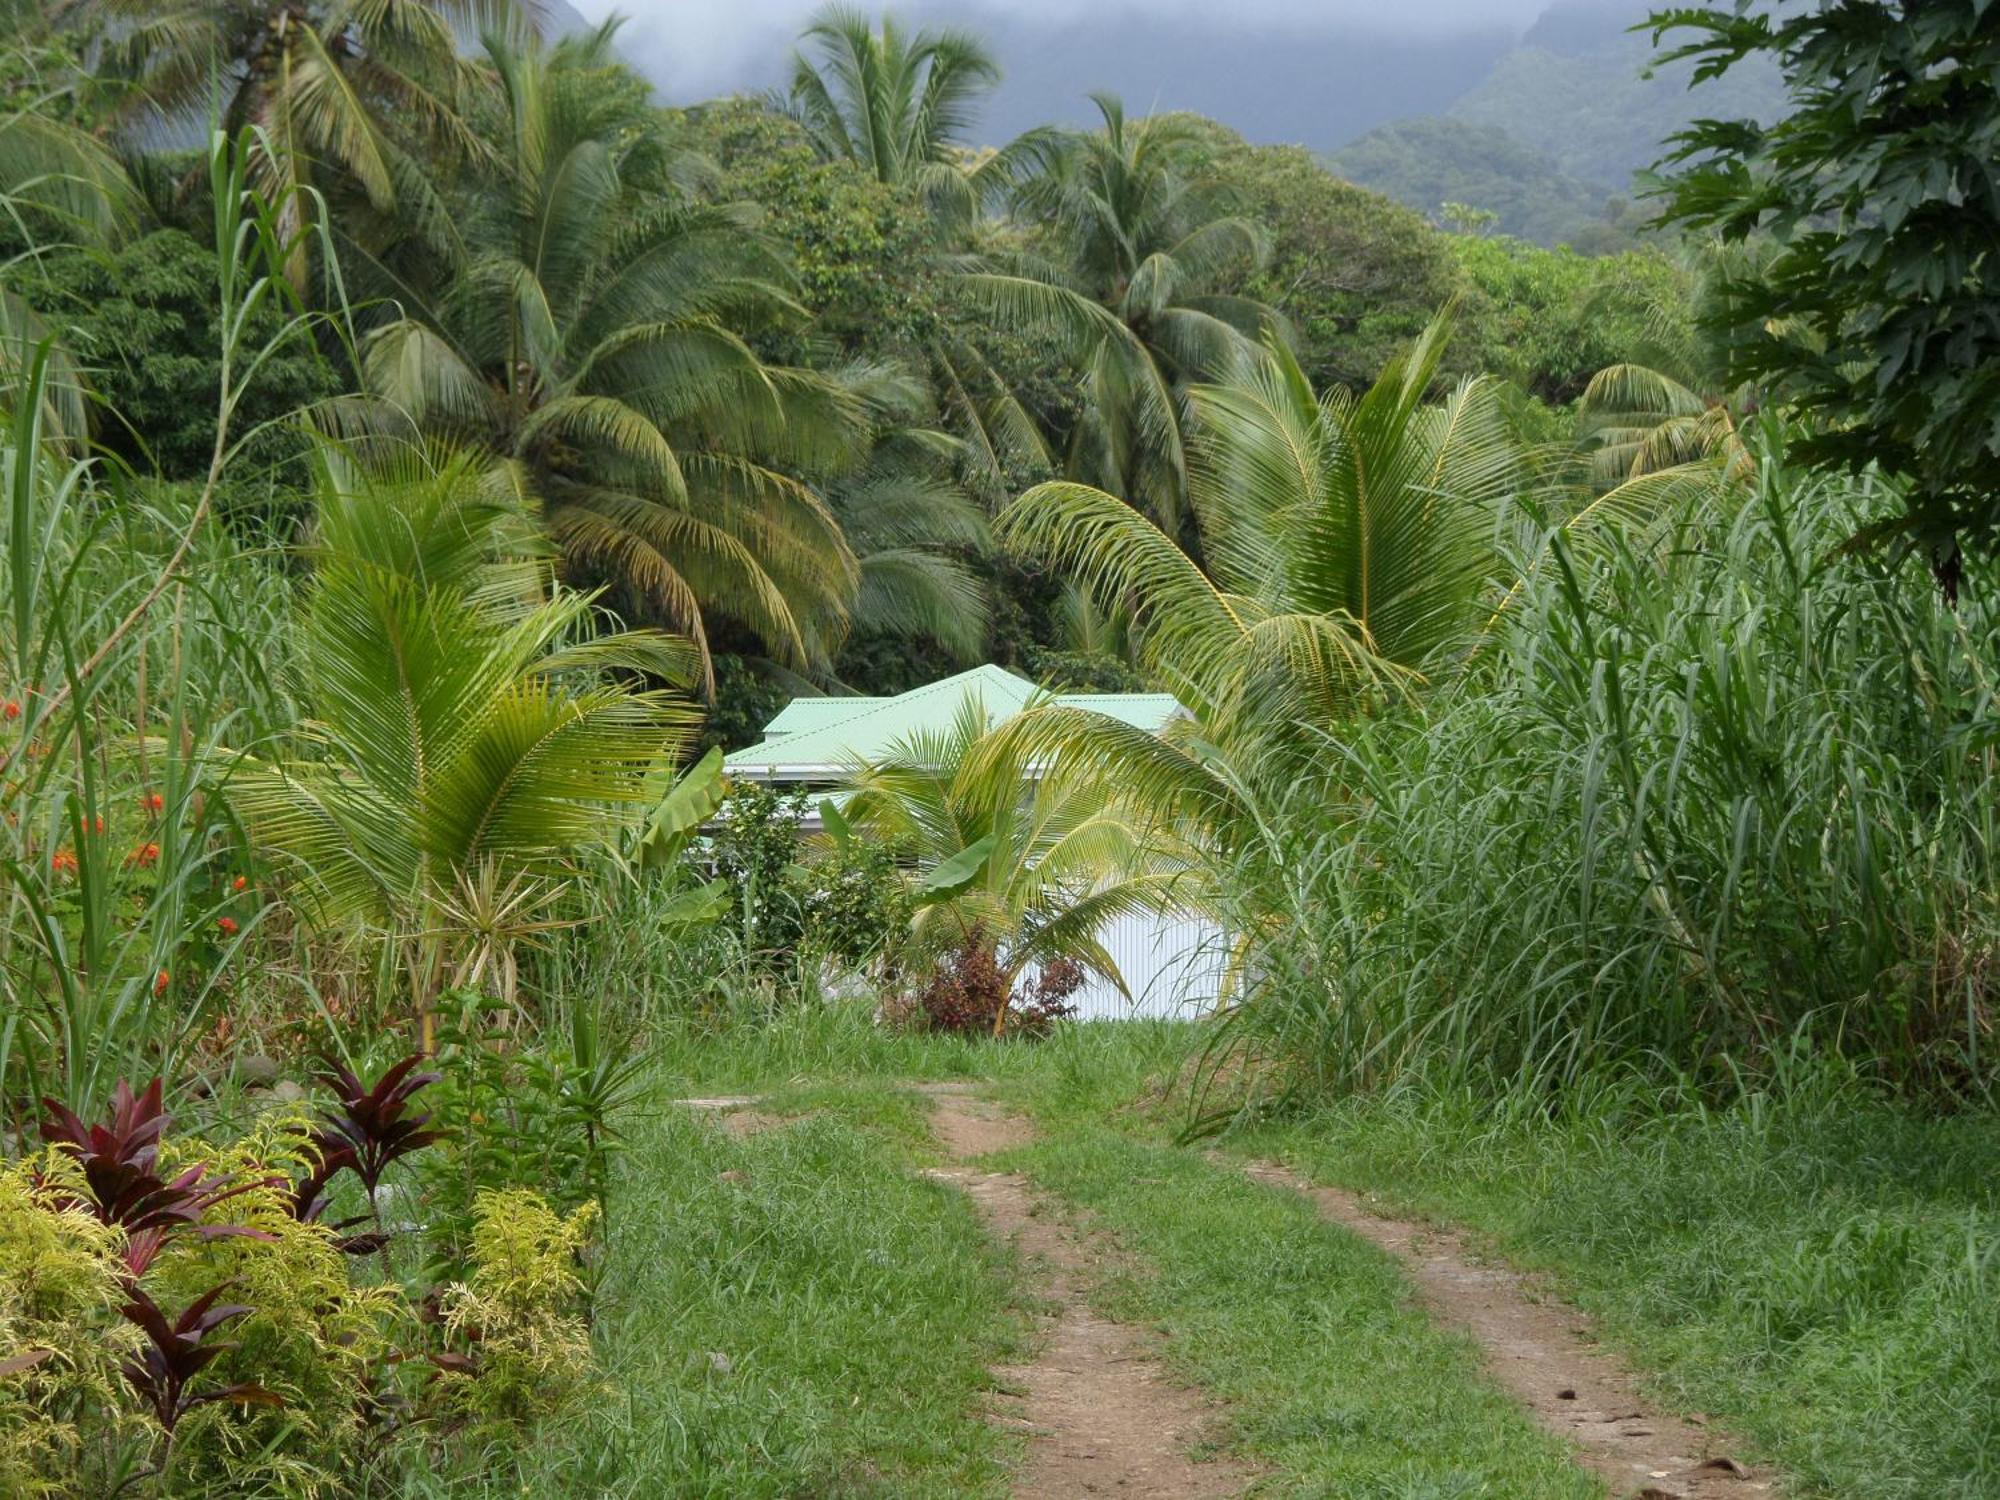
{"x":519,"y":1311}
{"x":312,"y":1337}
{"x":60,"y":1334}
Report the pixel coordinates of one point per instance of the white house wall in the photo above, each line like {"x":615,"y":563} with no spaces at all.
{"x":1173,"y":966}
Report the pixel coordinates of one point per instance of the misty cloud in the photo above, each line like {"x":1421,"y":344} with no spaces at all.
{"x":697,"y":48}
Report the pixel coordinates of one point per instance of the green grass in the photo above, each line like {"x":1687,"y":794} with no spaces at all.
{"x":856,"y":1308}
{"x":1335,"y":1381}
{"x":807,"y":1042}
{"x":1822,"y":1274}
{"x":1814,"y":1269}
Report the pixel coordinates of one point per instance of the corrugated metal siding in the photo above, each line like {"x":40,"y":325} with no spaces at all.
{"x":1173,"y":965}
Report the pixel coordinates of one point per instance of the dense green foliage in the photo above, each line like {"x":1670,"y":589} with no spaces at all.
{"x":143,"y":323}
{"x":1551,"y":319}
{"x":1674,"y":762}
{"x":1356,"y":276}
{"x":1545,"y":752}
{"x":1878,"y":311}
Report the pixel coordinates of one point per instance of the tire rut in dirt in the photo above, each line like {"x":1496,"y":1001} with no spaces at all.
{"x":1100,"y":1414}
{"x":1538,"y":1350}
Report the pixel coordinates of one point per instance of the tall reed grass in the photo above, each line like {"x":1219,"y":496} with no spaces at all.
{"x":1698,"y":802}
{"x":140,"y":650}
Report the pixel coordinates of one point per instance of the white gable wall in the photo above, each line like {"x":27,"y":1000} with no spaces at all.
{"x":1172,"y":962}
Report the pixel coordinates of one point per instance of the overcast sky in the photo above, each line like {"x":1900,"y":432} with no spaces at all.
{"x":698,"y":48}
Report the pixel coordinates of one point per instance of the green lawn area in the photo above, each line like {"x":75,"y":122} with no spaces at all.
{"x":802,"y":1312}
{"x":1821,"y":1273}
{"x":793,"y":1313}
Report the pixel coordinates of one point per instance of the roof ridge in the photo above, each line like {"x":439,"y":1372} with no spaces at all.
{"x":876,"y":704}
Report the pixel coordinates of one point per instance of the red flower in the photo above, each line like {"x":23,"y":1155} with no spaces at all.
{"x":152,"y":802}
{"x":63,"y":862}
{"x":239,"y":883}
{"x":145,"y":854}
{"x":97,"y":824}
{"x":227,"y":924}
{"x":11,"y":708}
{"x":161,"y":981}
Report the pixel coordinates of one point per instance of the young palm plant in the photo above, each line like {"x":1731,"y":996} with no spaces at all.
{"x":1359,"y":552}
{"x":462,"y":726}
{"x":1349,"y":543}
{"x":1031,"y":865}
{"x":590,"y":336}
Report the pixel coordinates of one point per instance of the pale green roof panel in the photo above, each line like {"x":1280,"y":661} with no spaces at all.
{"x":803,"y":714}
{"x":824,"y":735}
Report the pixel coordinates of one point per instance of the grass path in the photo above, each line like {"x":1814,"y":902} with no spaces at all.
{"x":1816,"y":1276}
{"x":1332,"y":1378}
{"x":1098,"y":1413}
{"x":1536,"y":1351}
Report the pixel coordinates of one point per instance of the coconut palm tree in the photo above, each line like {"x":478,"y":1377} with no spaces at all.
{"x":1639,"y":421}
{"x":1672,"y":407}
{"x":895,"y":105}
{"x":893,"y":102}
{"x":1033,"y":866}
{"x":332,"y":85}
{"x":589,"y":335}
{"x":1136,"y":265}
{"x":1349,"y":543}
{"x":462,"y":738}
{"x":911,"y":525}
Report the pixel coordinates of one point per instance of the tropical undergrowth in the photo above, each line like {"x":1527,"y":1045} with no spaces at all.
{"x":1696,"y":803}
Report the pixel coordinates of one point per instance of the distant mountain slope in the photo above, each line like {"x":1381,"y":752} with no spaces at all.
{"x":1542,"y":127}
{"x":1574,"y":90}
{"x":560,"y":18}
{"x":1312,"y":82}
{"x":1557,"y":127}
{"x":1430,"y":161}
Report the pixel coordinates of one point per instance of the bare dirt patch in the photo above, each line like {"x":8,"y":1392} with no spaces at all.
{"x":1100,"y":1415}
{"x":738,"y":1116}
{"x":1541,"y":1352}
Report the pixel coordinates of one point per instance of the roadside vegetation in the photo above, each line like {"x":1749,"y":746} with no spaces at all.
{"x":422,"y":1072}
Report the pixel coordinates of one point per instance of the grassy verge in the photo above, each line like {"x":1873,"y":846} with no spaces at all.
{"x":795,"y":1313}
{"x":1335,"y":1381}
{"x":809,"y":1043}
{"x":1822,"y":1273}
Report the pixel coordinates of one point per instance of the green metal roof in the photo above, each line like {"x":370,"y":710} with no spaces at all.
{"x":824,"y":736}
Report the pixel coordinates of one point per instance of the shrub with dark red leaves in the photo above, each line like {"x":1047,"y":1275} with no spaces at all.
{"x":969,"y":993}
{"x":372,"y":1123}
{"x":1046,"y":1001}
{"x":120,"y":1164}
{"x":164,"y":1370}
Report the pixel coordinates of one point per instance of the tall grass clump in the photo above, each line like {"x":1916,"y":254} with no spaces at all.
{"x":138,"y":647}
{"x":1700,"y":800}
